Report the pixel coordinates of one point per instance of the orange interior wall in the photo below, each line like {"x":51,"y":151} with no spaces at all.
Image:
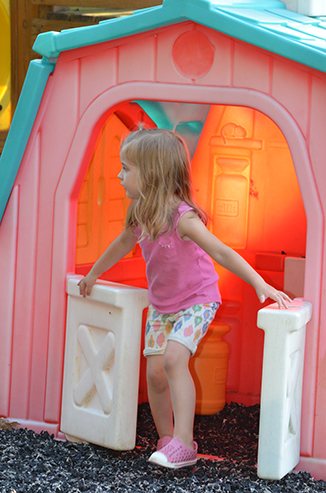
{"x":244,"y":178}
{"x":102,"y":203}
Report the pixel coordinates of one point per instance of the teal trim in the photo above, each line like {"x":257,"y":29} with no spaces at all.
{"x":21,"y":126}
{"x":155,"y":111}
{"x":264,"y":23}
{"x":187,"y":119}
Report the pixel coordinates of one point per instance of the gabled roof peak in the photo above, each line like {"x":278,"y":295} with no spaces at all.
{"x":266,"y":24}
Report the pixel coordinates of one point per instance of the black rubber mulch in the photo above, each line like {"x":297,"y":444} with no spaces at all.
{"x":38,"y":463}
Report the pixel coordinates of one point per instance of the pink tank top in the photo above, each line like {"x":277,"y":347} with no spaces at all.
{"x":179,"y":273}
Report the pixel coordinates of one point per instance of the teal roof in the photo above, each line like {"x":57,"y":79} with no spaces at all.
{"x":265,"y":23}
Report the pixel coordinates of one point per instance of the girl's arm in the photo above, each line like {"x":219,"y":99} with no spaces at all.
{"x":122,"y":245}
{"x":191,"y":227}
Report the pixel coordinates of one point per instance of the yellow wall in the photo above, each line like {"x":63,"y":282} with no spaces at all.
{"x":5,"y":104}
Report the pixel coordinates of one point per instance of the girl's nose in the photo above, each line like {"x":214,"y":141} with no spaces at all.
{"x":119,"y":175}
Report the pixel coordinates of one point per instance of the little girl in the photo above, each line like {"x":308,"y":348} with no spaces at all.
{"x":182,"y":282}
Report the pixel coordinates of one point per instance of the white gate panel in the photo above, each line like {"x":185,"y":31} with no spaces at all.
{"x":281,"y":392}
{"x":102,"y":357}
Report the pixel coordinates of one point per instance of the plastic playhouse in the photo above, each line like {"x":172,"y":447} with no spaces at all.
{"x":244,"y":83}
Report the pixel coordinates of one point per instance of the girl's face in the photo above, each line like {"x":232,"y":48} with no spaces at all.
{"x":128,"y":176}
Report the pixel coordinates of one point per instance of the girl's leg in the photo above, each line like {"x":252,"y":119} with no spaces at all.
{"x":182,"y":388}
{"x":159,"y":395}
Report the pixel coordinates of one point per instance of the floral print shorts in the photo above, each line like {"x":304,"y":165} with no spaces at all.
{"x":187,"y":327}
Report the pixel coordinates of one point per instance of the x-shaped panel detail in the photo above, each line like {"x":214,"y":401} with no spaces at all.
{"x":99,"y":362}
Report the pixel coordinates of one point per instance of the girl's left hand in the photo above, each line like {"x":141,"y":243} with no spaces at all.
{"x":265,"y":291}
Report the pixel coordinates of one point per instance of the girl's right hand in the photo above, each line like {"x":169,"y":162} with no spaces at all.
{"x":86,"y":284}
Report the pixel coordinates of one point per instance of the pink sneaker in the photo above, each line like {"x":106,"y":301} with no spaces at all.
{"x":174,"y":455}
{"x":163,"y":441}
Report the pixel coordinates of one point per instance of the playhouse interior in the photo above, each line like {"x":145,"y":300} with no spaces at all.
{"x":243,"y":177}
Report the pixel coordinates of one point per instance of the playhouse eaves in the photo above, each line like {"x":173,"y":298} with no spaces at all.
{"x":266,"y":24}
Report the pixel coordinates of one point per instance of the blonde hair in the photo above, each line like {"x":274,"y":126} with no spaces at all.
{"x":163,"y":166}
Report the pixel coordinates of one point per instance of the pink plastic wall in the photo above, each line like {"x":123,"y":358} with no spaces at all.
{"x":37,"y":235}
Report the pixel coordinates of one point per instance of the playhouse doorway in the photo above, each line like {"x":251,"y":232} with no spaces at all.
{"x":244,"y":178}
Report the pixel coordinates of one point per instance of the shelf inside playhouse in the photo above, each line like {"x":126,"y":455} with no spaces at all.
{"x":243,"y":177}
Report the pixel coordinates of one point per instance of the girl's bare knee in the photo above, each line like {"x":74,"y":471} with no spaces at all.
{"x":175,"y":357}
{"x":169,"y":363}
{"x":156,"y":376}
